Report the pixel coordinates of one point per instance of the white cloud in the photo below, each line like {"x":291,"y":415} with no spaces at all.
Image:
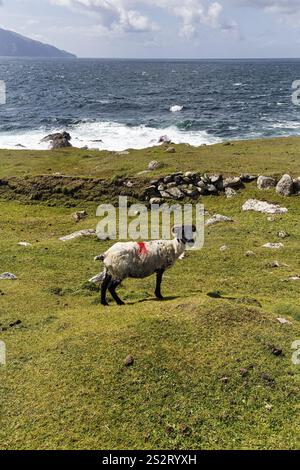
{"x":130,"y":16}
{"x":287,"y":11}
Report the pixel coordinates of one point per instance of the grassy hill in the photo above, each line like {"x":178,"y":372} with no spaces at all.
{"x":204,"y":376}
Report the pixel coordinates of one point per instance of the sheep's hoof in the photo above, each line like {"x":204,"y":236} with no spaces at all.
{"x":105,"y":304}
{"x":121,"y":303}
{"x":160,"y":297}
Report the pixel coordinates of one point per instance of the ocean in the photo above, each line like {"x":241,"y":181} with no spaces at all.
{"x":120,"y":104}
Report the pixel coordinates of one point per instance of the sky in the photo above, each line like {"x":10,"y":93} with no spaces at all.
{"x":160,"y":28}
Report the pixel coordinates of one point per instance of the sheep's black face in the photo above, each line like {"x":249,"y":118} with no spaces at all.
{"x":185,"y":234}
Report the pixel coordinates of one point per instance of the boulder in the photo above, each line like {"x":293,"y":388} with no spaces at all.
{"x":265,"y":182}
{"x":174,"y":193}
{"x":233,"y":182}
{"x":247,"y":178}
{"x":154,"y":165}
{"x":264,"y":207}
{"x":285,"y":186}
{"x":212,"y":189}
{"x":230,"y":192}
{"x":297,"y":185}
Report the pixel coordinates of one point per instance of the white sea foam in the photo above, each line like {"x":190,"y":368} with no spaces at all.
{"x":114,"y":137}
{"x":176,"y":108}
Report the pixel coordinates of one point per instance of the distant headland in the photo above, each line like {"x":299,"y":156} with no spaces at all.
{"x":15,"y":45}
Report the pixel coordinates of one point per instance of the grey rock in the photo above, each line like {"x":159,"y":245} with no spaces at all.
{"x":80,"y":233}
{"x":215,"y":179}
{"x":273,"y":246}
{"x":283,"y":234}
{"x":212,"y":189}
{"x":233,"y":182}
{"x":7,"y":277}
{"x":285,"y":186}
{"x":230,"y":192}
{"x":264,"y":207}
{"x":156,"y":200}
{"x":170,"y":150}
{"x":247,"y":178}
{"x":266,"y":182}
{"x":218,"y":218}
{"x":25,"y":244}
{"x":175,"y":193}
{"x":154,"y":165}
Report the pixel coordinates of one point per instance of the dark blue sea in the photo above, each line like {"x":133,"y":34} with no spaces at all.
{"x":131,"y":103}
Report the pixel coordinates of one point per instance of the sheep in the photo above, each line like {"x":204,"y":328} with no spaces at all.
{"x":141,"y":260}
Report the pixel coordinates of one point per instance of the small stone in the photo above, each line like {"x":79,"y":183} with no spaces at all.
{"x":294,"y":278}
{"x":277,"y":352}
{"x":269,"y":407}
{"x":283,"y":234}
{"x":79,"y":215}
{"x":8,"y":277}
{"x":249,"y":253}
{"x":25,"y":244}
{"x":283,"y":321}
{"x":274,"y":246}
{"x":129,"y":361}
{"x":224,"y":248}
{"x":224,"y":380}
{"x":244,"y":372}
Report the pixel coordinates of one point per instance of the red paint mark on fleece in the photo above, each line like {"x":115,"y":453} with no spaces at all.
{"x":143,"y":250}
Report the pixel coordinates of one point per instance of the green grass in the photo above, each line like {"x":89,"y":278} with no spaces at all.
{"x":65,"y":385}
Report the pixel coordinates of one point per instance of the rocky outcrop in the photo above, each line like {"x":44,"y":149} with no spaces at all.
{"x":58,"y":140}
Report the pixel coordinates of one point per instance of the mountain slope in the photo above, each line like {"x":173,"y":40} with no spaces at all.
{"x":14,"y":45}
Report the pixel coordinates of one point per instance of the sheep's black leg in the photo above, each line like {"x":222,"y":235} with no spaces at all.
{"x":159,"y":276}
{"x":104,"y":288}
{"x":112,"y":289}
